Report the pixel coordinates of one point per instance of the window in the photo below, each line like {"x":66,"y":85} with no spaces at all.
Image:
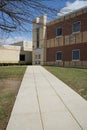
{"x":59,"y":32}
{"x":59,"y":55}
{"x":37,"y":31}
{"x":39,"y":56}
{"x":22,"y":57}
{"x":76,"y":27}
{"x":35,"y":56}
{"x":38,"y":25}
{"x":76,"y":55}
{"x":38,"y":62}
{"x":35,"y":62}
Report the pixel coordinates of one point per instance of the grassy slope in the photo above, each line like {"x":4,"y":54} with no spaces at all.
{"x":74,"y":77}
{"x":7,"y":97}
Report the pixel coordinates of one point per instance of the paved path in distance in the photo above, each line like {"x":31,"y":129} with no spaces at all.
{"x":46,"y":103}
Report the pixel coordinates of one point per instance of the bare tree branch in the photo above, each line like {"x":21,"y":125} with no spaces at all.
{"x":14,"y":14}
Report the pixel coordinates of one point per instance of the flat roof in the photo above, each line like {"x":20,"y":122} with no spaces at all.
{"x":68,"y":14}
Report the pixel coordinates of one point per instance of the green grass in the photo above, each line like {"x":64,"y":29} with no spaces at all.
{"x":12,"y":71}
{"x":5,"y":102}
{"x":76,"y":78}
{"x":7,"y":98}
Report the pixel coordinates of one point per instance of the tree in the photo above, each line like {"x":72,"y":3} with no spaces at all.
{"x":15,"y":13}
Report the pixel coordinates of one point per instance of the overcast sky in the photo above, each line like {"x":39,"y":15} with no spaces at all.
{"x":65,"y":6}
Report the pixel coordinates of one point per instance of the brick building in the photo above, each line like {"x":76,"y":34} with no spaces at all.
{"x":61,"y":42}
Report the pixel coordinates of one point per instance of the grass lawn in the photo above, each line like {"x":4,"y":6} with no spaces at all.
{"x":76,"y":78}
{"x":10,"y":80}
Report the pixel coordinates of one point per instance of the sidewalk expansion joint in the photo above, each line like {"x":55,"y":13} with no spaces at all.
{"x":38,"y":101}
{"x":62,"y":101}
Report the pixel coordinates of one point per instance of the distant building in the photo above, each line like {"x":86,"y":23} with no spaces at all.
{"x":20,"y":52}
{"x":61,"y":42}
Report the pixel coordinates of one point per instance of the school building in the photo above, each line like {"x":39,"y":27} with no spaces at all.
{"x":17,"y":53}
{"x":61,"y":42}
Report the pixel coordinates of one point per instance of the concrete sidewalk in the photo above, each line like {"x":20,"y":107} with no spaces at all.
{"x":46,"y":103}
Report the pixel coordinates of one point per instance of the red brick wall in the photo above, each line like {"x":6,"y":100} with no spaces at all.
{"x":67,"y":26}
{"x":67,"y":52}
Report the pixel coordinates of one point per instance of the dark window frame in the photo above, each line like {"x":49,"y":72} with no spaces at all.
{"x":59,"y":31}
{"x":74,"y":29}
{"x":59,"y":58}
{"x":76,"y":57}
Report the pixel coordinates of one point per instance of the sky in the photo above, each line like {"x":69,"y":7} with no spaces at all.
{"x":65,"y":7}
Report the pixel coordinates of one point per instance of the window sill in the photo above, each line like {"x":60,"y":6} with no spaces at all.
{"x":75,"y":32}
{"x":58,"y":60}
{"x":76,"y":60}
{"x":59,"y":36}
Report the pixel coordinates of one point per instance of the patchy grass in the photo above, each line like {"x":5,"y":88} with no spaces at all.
{"x":11,"y":71}
{"x":10,"y":80}
{"x":5,"y":101}
{"x":76,"y":78}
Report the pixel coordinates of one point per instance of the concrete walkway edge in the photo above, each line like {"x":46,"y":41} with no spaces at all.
{"x":46,"y":103}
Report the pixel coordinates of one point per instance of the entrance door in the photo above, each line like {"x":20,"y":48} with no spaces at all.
{"x":37,"y":59}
